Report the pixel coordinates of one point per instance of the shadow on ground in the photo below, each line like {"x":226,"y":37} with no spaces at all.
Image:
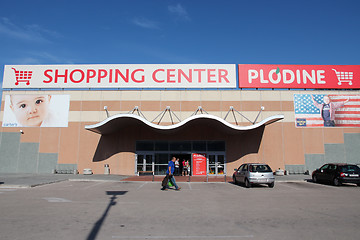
{"x":96,"y":228}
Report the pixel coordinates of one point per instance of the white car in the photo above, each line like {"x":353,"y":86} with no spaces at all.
{"x":254,"y":173}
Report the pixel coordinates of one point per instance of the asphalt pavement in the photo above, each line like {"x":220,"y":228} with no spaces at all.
{"x":99,"y":207}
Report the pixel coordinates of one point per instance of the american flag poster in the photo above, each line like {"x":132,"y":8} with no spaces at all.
{"x":308,"y":110}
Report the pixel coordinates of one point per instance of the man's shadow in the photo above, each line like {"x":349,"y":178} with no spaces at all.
{"x":96,"y":228}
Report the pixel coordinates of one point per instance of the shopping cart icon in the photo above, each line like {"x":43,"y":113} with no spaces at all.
{"x":344,"y":77}
{"x":23,"y":76}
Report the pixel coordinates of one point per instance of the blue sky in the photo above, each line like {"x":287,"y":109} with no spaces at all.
{"x":179,"y":31}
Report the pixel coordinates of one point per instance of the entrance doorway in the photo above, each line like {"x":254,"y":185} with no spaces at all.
{"x":154,"y":156}
{"x":158,"y":162}
{"x":184,"y":164}
{"x":145,"y":162}
{"x":216,"y":164}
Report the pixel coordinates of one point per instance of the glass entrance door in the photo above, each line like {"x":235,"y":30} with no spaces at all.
{"x":216,"y":164}
{"x":145,"y":162}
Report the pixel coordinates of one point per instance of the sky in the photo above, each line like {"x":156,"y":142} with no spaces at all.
{"x":179,"y":32}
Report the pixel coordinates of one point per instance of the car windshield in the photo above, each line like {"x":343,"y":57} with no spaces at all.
{"x":260,"y":168}
{"x":349,"y":168}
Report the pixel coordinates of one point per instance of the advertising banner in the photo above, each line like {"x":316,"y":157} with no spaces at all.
{"x":319,"y":110}
{"x":199,"y":163}
{"x":41,"y":110}
{"x":120,"y":76}
{"x":299,"y":76}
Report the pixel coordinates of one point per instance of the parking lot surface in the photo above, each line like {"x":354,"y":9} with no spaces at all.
{"x":140,"y":210}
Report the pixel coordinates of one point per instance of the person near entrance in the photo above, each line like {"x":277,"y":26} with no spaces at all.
{"x":170,"y":175}
{"x":188,"y":169}
{"x":177,"y":167}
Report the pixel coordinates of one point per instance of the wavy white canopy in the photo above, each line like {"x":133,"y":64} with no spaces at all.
{"x":111,"y":124}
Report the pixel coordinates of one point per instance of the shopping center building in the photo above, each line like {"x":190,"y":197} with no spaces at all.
{"x":134,"y":118}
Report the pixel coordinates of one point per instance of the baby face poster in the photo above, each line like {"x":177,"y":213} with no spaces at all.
{"x":36,"y":110}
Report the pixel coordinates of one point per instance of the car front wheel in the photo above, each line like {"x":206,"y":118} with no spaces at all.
{"x":314,"y":178}
{"x":271,"y":185}
{"x":235,"y":181}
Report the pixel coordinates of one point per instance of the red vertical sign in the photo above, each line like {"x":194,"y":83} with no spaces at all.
{"x":199,"y":164}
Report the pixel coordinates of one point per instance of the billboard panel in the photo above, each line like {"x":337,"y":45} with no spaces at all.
{"x":299,"y":76}
{"x":320,"y":110}
{"x":41,"y":110}
{"x":121,"y":76}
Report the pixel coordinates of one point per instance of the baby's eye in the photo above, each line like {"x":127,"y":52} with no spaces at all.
{"x":23,"y":105}
{"x":38,"y":101}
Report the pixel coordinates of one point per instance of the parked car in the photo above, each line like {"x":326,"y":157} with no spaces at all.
{"x":254,"y":173}
{"x":337,"y":174}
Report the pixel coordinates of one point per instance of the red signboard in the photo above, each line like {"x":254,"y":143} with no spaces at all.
{"x":199,"y":164}
{"x":299,"y":76}
{"x":120,"y":76}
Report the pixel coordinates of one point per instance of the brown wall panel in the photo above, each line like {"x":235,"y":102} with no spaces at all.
{"x":10,"y":129}
{"x":111,"y":105}
{"x":174,"y":105}
{"x":129,"y":105}
{"x":313,"y":139}
{"x":190,"y":106}
{"x":244,"y":147}
{"x":333,"y":135}
{"x":96,"y":167}
{"x":211,"y":105}
{"x":75,"y":106}
{"x":271,"y":105}
{"x":251,"y":106}
{"x":120,"y":164}
{"x":251,"y":158}
{"x":293,"y":145}
{"x":150,"y":106}
{"x":225,"y":105}
{"x":31,"y":135}
{"x":351,"y":130}
{"x":126,"y":163}
{"x":91,"y":106}
{"x":272,"y":146}
{"x":287,"y":106}
{"x":49,"y":140}
{"x":69,"y":144}
{"x":88,"y":143}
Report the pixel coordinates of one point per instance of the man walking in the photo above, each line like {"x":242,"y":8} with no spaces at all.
{"x":170,"y":175}
{"x":327,"y":110}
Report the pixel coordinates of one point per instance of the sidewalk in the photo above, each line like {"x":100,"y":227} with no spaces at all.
{"x":16,"y":180}
{"x":286,"y":178}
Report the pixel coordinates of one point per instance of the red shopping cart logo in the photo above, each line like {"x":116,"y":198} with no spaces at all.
{"x":23,"y":76}
{"x":344,"y":77}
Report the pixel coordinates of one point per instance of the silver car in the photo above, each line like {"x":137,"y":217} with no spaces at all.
{"x":254,"y":173}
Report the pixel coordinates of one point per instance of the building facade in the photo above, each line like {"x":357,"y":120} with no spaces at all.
{"x":136,"y":129}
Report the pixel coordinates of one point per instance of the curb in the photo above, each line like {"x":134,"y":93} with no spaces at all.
{"x":7,"y":186}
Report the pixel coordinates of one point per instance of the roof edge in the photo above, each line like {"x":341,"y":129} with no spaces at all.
{"x":267,"y":121}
